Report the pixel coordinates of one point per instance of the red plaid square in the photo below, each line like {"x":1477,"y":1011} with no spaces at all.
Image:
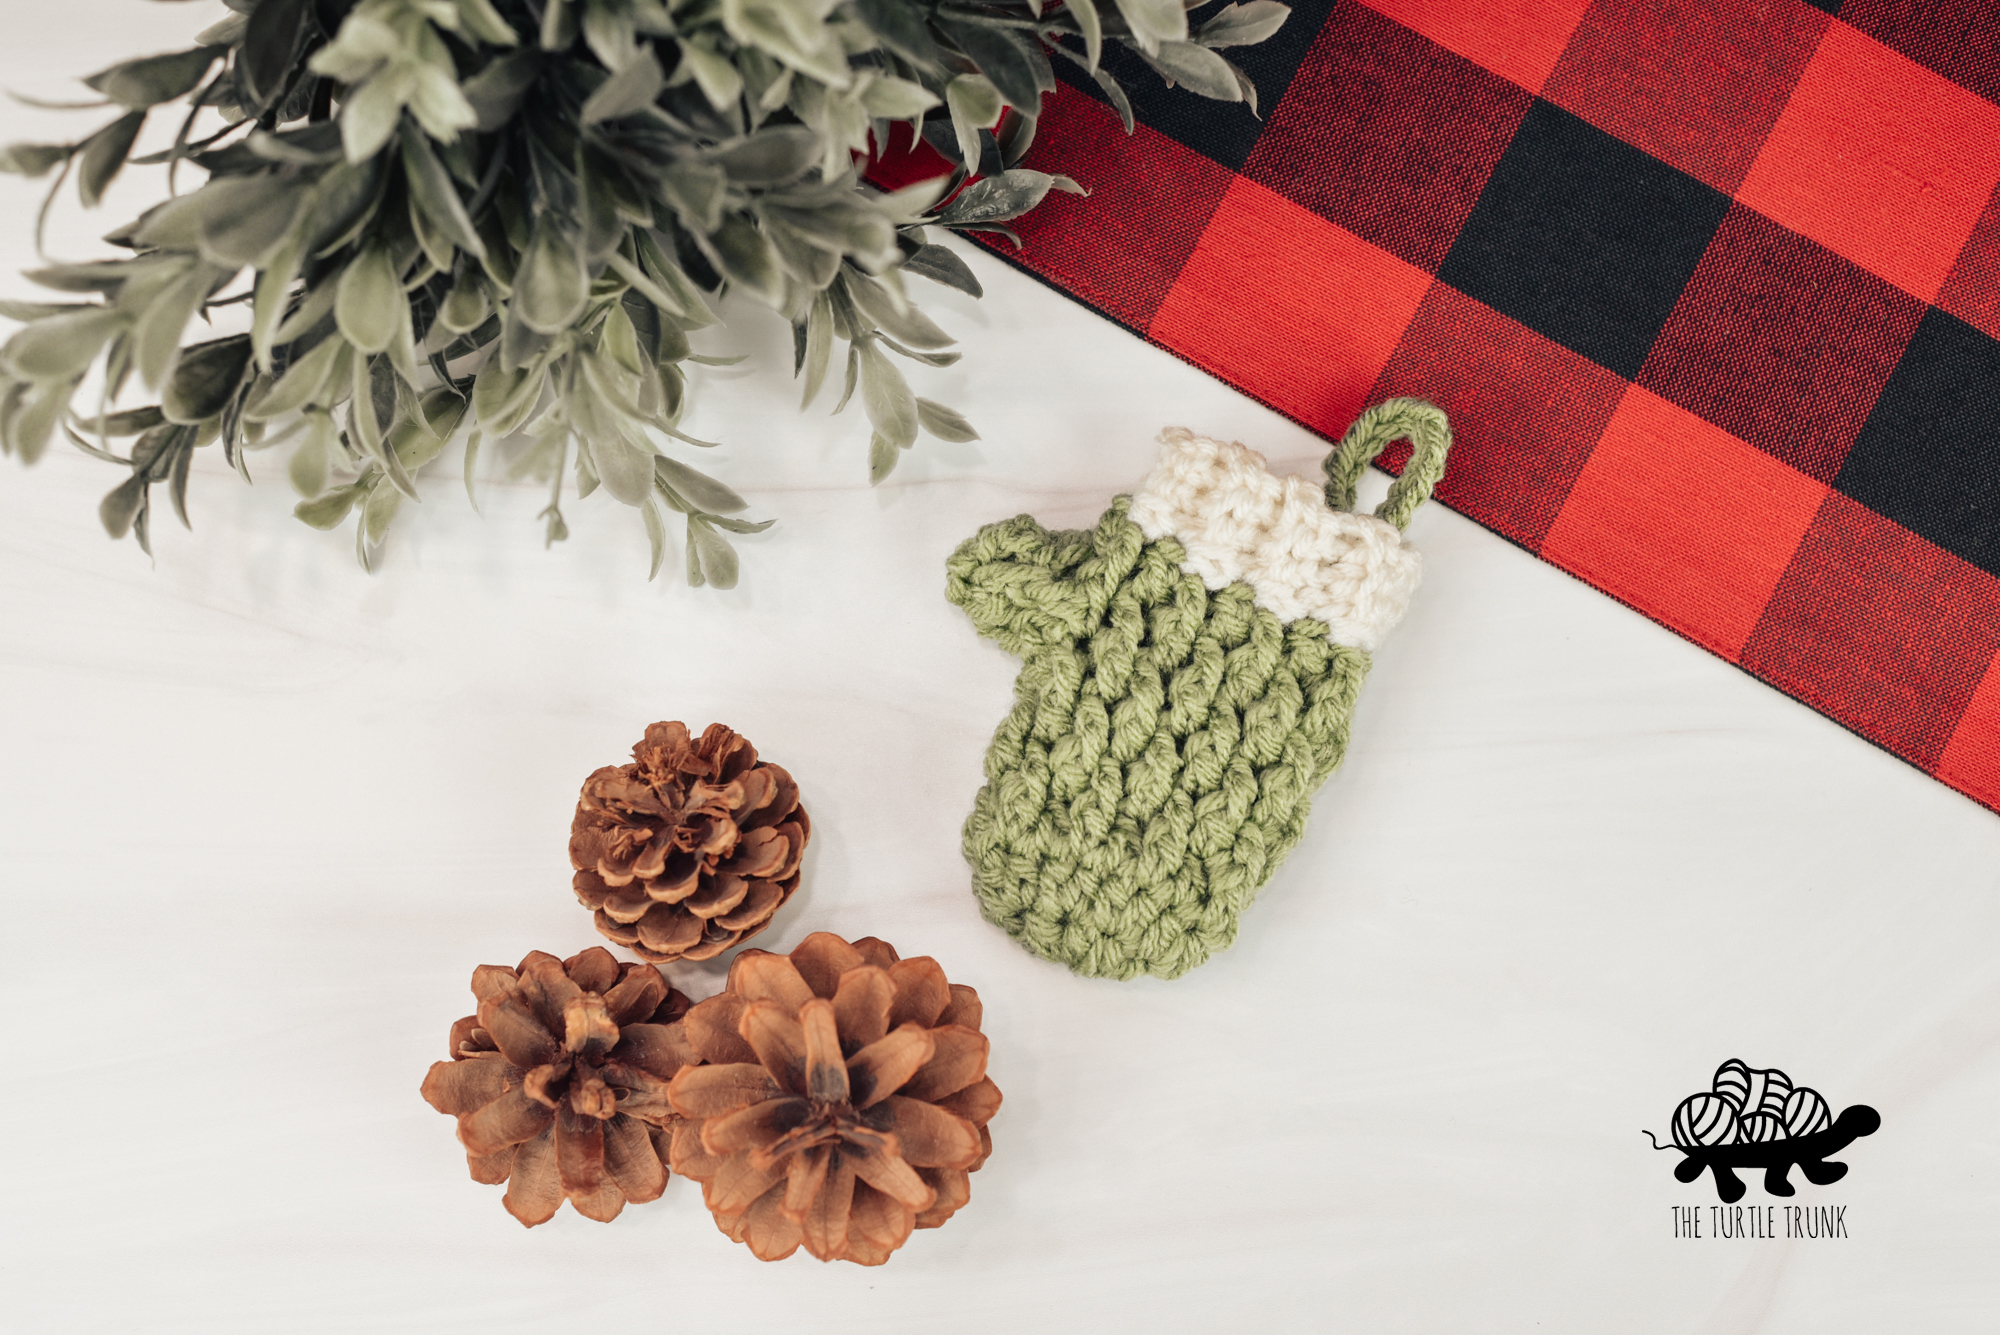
{"x":1880,"y":629}
{"x":1683,"y":520}
{"x":1524,"y":411}
{"x":1150,"y":197}
{"x":1299,"y":312}
{"x":1971,"y":761}
{"x":1696,"y":85}
{"x":1972,"y":293}
{"x":1388,"y":134}
{"x":1781,"y":342}
{"x":1880,"y":160}
{"x":1517,"y":39}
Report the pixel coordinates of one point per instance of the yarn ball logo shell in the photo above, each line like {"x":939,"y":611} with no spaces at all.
{"x":1750,"y":1118}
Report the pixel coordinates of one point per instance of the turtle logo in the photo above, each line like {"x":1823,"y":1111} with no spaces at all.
{"x":1758,"y":1119}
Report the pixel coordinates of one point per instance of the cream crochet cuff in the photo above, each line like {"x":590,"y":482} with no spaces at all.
{"x":1238,"y":522}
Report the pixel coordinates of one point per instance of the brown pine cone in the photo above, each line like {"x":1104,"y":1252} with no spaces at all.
{"x":848,"y":1104}
{"x":691,"y":848}
{"x":559,"y":1083}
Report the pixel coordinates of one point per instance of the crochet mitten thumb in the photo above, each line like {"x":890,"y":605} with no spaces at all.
{"x":1189,"y":670}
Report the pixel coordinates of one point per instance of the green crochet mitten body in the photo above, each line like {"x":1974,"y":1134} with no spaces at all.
{"x":1189,"y":671}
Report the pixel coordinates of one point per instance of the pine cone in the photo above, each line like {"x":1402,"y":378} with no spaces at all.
{"x":690,"y":849}
{"x":559,"y":1082}
{"x":848,"y":1104}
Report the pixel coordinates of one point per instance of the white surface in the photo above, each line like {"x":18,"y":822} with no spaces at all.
{"x":264,"y":813}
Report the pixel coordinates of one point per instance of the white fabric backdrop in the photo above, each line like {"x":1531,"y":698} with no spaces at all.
{"x":263,"y":814}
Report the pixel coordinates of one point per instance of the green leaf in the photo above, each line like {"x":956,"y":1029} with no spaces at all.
{"x":1244,"y":24}
{"x":496,"y":91}
{"x":369,"y":116}
{"x":1001,"y":58}
{"x":274,"y":286}
{"x":28,"y":417}
{"x":1091,"y":25}
{"x":886,"y":396}
{"x":695,"y":313}
{"x":437,"y":103}
{"x":717,"y":77}
{"x":551,"y":287}
{"x":245,"y":219}
{"x":1015,"y":138}
{"x":696,"y":191}
{"x":472,"y":469}
{"x":853,"y":372}
{"x":941,"y":264}
{"x":312,"y":460}
{"x":656,"y":535}
{"x":632,"y":89}
{"x":998,"y":198}
{"x":433,"y":191}
{"x":329,"y":510}
{"x":156,"y":339}
{"x":818,"y":351}
{"x":624,"y":467}
{"x":882,"y":457}
{"x":913,"y":201}
{"x":379,"y":512}
{"x":347,"y":199}
{"x":745,"y":257}
{"x":975,"y":105}
{"x":729,"y":525}
{"x":365,"y":305}
{"x":558,"y":25}
{"x":34,"y":159}
{"x":907,"y":323}
{"x":117,"y":511}
{"x":900,"y":25}
{"x":128,"y":423}
{"x":466,"y":308}
{"x":264,"y":63}
{"x":927,"y":358}
{"x":897,"y":99}
{"x":944,"y":423}
{"x":717,"y":557}
{"x":621,"y":340}
{"x":771,"y":156}
{"x":60,"y":347}
{"x":697,"y":488}
{"x":104,"y":154}
{"x":642,"y":283}
{"x":24,"y":311}
{"x":313,"y":378}
{"x":479,"y":18}
{"x":1197,"y":69}
{"x":843,"y":227}
{"x":1154,"y":21}
{"x":208,"y":375}
{"x":149,"y":81}
{"x":372,"y":376}
{"x":502,"y":399}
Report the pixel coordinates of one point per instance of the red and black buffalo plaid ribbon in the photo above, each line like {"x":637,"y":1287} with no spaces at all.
{"x":1710,"y":289}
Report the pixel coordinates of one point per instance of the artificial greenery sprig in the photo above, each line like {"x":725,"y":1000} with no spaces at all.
{"x":490,"y":217}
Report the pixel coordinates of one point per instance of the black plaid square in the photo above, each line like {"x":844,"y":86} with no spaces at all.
{"x":1929,"y":455}
{"x":1584,"y":239}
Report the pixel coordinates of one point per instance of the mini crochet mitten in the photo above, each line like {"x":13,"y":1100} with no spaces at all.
{"x":1189,"y":671}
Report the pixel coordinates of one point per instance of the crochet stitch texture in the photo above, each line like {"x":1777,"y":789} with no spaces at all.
{"x":1189,"y":672}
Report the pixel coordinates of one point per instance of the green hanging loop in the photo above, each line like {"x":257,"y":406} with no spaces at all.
{"x":1422,"y":424}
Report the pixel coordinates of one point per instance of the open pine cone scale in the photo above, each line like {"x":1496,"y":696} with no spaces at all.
{"x":846,"y":1104}
{"x":691,"y":848}
{"x":559,"y":1082}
